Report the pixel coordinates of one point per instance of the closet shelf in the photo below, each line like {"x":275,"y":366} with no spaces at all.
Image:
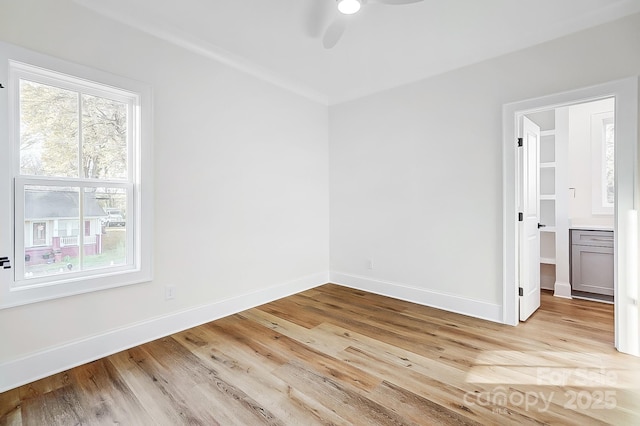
{"x":548,"y":260}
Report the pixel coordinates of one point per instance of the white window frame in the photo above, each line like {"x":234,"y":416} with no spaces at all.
{"x":599,"y":204}
{"x":17,"y":63}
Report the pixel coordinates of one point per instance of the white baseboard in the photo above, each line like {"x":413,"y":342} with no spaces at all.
{"x":51,"y":361}
{"x":447,"y":302}
{"x":562,"y":290}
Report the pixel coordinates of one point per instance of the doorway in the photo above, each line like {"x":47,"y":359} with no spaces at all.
{"x":625,"y":93}
{"x":575,"y":198}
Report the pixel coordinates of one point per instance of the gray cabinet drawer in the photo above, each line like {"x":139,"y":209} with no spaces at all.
{"x":591,"y":238}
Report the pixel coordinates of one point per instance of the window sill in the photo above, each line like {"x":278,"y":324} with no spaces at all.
{"x":23,"y":294}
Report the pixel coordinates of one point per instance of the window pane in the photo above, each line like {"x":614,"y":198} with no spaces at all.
{"x":106,"y":244}
{"x":54,"y":243}
{"x":51,"y":215}
{"x":609,"y":144}
{"x":48,"y":130}
{"x":104,"y":138}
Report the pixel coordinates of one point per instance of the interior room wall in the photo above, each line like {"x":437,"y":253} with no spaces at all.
{"x":241,"y":182}
{"x":416,"y":171}
{"x":580,"y":165}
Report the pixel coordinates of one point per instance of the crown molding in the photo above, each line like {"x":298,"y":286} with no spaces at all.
{"x":203,"y":48}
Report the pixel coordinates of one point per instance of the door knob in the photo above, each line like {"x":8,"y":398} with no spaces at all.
{"x":541,"y":225}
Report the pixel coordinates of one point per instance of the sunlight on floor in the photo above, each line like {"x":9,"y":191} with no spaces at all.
{"x":552,"y":368}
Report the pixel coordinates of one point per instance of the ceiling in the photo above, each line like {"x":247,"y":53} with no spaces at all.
{"x":384,"y":46}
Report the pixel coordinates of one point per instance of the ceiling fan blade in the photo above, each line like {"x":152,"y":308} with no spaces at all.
{"x":317,"y":17}
{"x":394,"y":2}
{"x":333,"y":33}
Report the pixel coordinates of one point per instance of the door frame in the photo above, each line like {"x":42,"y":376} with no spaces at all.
{"x":625,"y":92}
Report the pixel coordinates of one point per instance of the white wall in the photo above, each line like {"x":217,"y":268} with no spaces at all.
{"x":580,"y":167}
{"x":416,"y":180}
{"x":241,"y":183}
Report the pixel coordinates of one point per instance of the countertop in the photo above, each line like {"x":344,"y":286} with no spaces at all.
{"x":592,"y":227}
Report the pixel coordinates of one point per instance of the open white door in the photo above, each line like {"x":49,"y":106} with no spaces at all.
{"x":529,"y":233}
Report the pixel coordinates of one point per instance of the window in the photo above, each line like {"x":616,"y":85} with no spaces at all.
{"x":78,"y":155}
{"x":39,"y":236}
{"x":603,"y":166}
{"x":608,"y":170}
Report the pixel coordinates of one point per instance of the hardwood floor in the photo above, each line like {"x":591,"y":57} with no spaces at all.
{"x":334,"y":355}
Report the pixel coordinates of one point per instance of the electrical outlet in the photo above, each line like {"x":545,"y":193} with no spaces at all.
{"x":169,"y":292}
{"x":370,"y":264}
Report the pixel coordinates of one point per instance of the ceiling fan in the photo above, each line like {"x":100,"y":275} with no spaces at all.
{"x":334,"y":31}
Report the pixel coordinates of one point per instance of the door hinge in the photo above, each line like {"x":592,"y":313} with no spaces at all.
{"x":520,"y":142}
{"x":520,"y":291}
{"x":520,"y":217}
{"x":4,"y":260}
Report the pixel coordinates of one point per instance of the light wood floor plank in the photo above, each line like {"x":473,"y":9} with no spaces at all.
{"x":338,"y":356}
{"x":286,"y":348}
{"x":248,"y":372}
{"x":343,"y":399}
{"x":60,"y":406}
{"x":105,"y":396}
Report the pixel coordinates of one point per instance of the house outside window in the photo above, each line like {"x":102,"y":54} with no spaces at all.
{"x":62,"y":209}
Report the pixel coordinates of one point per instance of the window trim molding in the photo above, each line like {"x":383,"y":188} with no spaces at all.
{"x":142,"y":235}
{"x":599,"y":205}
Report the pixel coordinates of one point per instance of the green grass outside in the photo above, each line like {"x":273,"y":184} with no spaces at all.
{"x":114,"y":253}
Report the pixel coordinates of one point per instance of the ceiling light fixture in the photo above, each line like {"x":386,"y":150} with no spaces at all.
{"x":349,"y":7}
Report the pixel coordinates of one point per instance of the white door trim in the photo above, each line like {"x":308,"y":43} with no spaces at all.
{"x":626,"y":241}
